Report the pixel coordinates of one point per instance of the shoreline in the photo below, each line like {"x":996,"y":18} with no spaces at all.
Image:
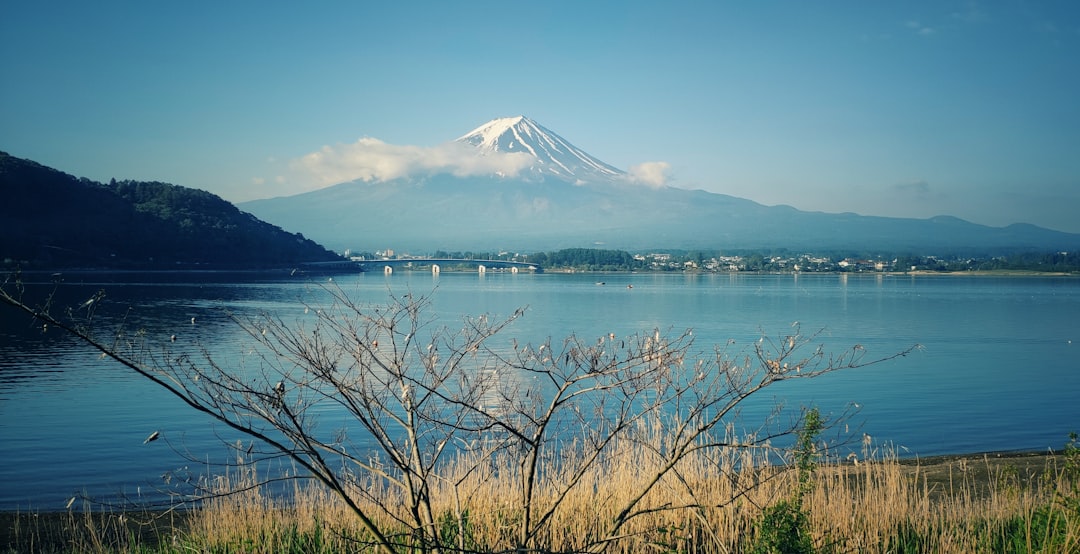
{"x":272,"y":270}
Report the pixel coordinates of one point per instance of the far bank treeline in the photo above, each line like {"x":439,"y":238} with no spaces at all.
{"x":54,"y":220}
{"x":593,"y":259}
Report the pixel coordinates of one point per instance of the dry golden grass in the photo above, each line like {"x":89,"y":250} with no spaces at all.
{"x":712,"y":504}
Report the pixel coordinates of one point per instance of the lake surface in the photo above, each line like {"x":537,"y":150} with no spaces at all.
{"x":999,"y":368}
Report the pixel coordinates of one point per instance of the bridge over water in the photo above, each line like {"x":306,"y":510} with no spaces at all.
{"x":436,"y":264}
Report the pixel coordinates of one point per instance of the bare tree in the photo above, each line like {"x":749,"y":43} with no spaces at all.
{"x":421,"y":398}
{"x":640,"y":390}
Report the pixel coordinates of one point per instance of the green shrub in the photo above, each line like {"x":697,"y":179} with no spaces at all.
{"x":1045,"y":530}
{"x":784,"y":528}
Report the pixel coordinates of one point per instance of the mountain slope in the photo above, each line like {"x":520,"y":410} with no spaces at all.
{"x":444,"y":212}
{"x":52,"y":219}
{"x":569,"y":199}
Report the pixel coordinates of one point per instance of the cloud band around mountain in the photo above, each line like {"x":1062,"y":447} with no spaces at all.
{"x":652,"y":174}
{"x":372,"y":160}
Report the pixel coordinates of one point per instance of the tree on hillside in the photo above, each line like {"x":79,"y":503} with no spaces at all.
{"x":436,"y":414}
{"x":81,"y":223}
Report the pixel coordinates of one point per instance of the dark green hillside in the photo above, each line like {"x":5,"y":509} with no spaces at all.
{"x":52,"y":219}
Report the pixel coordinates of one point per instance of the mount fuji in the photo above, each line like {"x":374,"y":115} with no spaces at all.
{"x":528,"y":189}
{"x":552,"y":155}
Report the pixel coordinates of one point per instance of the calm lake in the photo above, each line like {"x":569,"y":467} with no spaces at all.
{"x":999,"y":368}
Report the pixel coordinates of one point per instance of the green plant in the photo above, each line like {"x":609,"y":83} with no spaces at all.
{"x":1069,"y":493}
{"x":456,"y":530}
{"x":806,"y":455}
{"x":784,"y":527}
{"x":1043,"y":530}
{"x":1072,"y":455}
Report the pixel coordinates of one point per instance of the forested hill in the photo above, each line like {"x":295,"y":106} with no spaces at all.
{"x":51,"y":220}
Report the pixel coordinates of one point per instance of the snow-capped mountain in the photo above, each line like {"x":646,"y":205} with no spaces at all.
{"x":555,"y":156}
{"x":567,"y":198}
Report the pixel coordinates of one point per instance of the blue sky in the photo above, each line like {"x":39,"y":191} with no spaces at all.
{"x":909,"y":109}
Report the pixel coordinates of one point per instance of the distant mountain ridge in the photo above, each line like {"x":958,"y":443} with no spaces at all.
{"x":568,"y":198}
{"x":54,"y":220}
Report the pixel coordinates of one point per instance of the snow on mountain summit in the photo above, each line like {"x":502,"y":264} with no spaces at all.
{"x":554,"y":155}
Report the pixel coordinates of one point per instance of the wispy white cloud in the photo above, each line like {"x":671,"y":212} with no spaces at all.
{"x":919,"y":28}
{"x":653,"y":174}
{"x":373,"y":160}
